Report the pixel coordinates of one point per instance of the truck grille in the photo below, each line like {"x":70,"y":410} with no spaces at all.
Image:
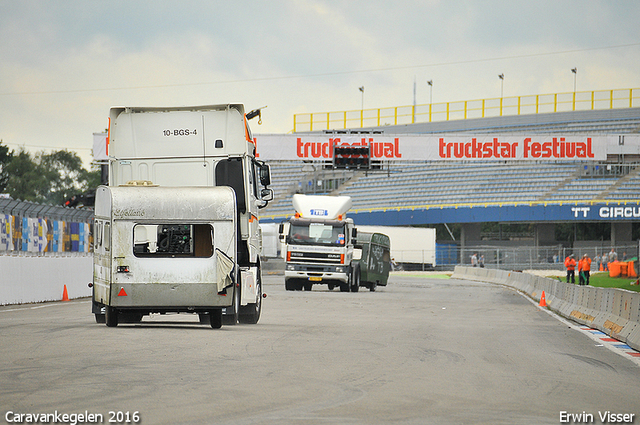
{"x":315,"y":257}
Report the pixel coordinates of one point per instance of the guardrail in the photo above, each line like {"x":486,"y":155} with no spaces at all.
{"x":615,"y":312}
{"x":481,"y":108}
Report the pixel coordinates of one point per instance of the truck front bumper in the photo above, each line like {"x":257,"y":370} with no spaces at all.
{"x":316,"y":273}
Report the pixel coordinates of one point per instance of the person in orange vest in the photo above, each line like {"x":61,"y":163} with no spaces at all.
{"x":580,"y":273}
{"x":584,"y":269}
{"x":570,"y":264}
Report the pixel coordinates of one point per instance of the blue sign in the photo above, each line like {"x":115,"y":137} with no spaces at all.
{"x":500,"y":213}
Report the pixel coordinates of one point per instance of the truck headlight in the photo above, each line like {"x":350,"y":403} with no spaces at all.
{"x":291,"y":267}
{"x":339,"y":269}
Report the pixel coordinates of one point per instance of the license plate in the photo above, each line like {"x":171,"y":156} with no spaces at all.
{"x":315,"y":279}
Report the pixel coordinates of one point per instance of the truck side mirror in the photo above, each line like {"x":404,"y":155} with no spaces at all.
{"x":265,"y":174}
{"x":266,"y":195}
{"x":281,"y":228}
{"x":354,"y":233}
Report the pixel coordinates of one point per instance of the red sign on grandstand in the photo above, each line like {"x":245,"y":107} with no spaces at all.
{"x":442,"y":147}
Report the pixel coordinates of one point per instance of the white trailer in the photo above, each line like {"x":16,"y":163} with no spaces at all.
{"x":188,"y":152}
{"x":410,"y":246}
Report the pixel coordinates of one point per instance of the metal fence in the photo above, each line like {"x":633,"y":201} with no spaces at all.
{"x":514,"y":257}
{"x":29,"y":228}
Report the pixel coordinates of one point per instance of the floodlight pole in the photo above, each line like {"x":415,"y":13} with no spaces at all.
{"x":430,"y":82}
{"x":361,"y":107}
{"x":501,"y":76}
{"x":575,"y":76}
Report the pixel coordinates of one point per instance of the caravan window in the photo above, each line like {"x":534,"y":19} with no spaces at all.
{"x":173,"y":240}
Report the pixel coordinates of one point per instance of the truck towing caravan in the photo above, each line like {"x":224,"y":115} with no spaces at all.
{"x":176,"y":229}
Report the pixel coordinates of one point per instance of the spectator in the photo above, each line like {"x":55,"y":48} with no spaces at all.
{"x":481,"y":261}
{"x":613,"y":256}
{"x":570,"y":264}
{"x":474,"y":260}
{"x":597,"y":259}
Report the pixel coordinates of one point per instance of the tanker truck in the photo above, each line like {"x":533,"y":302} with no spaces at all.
{"x":176,"y":229}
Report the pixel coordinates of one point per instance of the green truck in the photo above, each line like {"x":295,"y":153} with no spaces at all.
{"x":375,"y":260}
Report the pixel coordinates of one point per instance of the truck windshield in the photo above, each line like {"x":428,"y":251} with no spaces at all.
{"x":309,"y":233}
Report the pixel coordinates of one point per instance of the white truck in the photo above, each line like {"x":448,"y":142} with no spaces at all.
{"x":177,"y":228}
{"x":319,"y":243}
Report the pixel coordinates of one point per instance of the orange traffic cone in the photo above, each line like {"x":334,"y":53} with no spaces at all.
{"x":601,"y":267}
{"x":543,"y":300}
{"x":65,"y":295}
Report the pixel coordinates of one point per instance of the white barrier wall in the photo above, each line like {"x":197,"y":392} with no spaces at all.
{"x":27,"y":279}
{"x":615,"y":312}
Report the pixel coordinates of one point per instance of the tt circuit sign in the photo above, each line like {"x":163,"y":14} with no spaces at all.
{"x":442,"y":147}
{"x":606,"y":212}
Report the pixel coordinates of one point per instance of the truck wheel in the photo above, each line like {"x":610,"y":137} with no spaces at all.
{"x":250,"y":314}
{"x":100,"y":318}
{"x":232,"y":317}
{"x":307,"y":286}
{"x":216,"y":318}
{"x":111,"y":317}
{"x":355,"y":279}
{"x":372,"y":286}
{"x":289,"y":285}
{"x":331,"y":286}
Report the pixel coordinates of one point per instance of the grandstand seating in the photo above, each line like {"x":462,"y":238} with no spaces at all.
{"x":408,"y":184}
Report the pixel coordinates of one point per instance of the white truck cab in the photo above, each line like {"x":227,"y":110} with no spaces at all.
{"x":319,"y":244}
{"x":170,"y":158}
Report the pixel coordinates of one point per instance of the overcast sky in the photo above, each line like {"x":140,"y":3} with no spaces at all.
{"x":64,"y":63}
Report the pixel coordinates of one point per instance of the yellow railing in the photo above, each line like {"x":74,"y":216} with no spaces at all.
{"x":483,"y":108}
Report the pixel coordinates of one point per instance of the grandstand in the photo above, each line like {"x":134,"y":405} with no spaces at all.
{"x":453,"y":183}
{"x":472,"y":192}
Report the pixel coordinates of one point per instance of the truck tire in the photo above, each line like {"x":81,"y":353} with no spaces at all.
{"x":372,"y":286}
{"x":355,"y":278}
{"x":216,"y":318}
{"x":307,"y":286}
{"x":233,"y":312}
{"x":250,"y":314}
{"x":111,"y":317}
{"x":100,"y":318}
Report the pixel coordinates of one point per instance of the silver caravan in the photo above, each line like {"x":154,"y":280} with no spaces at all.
{"x":177,"y":226}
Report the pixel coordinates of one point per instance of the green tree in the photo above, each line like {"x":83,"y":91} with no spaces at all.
{"x":65,"y":173}
{"x":5,"y":158}
{"x":48,"y":177}
{"x":26,"y":180}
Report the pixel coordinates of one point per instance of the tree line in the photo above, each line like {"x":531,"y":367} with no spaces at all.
{"x":47,"y":178}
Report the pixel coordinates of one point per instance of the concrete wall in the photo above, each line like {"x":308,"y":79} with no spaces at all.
{"x":615,"y":312}
{"x":27,"y":279}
